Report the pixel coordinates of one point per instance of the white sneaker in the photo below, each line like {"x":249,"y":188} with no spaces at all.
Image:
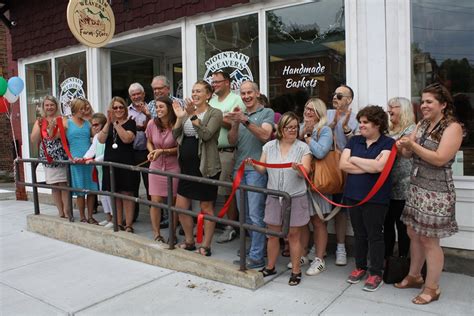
{"x":303,"y":261}
{"x":109,"y":225}
{"x":227,"y":235}
{"x":341,"y":257}
{"x":317,"y":266}
{"x":103,"y":223}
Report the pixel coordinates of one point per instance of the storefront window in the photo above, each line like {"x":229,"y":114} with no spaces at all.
{"x":71,"y":79}
{"x":37,"y":85}
{"x":444,"y":52}
{"x":230,"y":45}
{"x":306,"y":47}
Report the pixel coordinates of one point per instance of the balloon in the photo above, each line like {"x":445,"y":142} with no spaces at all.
{"x":3,"y":86}
{"x":15,"y":85}
{"x":3,"y":105}
{"x":10,"y":96}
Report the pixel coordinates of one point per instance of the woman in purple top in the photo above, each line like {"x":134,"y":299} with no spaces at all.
{"x":162,"y":149}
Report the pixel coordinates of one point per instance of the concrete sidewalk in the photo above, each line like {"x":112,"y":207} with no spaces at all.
{"x":42,"y":276}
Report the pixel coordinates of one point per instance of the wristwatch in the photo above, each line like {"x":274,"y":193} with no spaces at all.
{"x":247,"y":122}
{"x":194,"y":117}
{"x":307,"y":135}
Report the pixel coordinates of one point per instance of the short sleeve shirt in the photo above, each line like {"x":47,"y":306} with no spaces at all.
{"x":358,"y":185}
{"x":286,"y":179}
{"x":248,"y":145}
{"x":229,"y":103}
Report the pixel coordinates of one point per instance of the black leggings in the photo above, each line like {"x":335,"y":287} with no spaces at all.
{"x":391,"y":219}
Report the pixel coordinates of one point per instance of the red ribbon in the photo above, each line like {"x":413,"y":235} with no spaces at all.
{"x":240,"y":173}
{"x":62,"y":134}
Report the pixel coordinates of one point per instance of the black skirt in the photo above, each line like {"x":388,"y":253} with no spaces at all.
{"x":189,"y":163}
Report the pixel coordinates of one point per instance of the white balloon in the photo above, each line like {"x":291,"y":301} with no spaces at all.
{"x":10,"y":96}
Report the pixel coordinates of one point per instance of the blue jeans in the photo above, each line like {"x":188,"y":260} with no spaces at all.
{"x":255,"y":212}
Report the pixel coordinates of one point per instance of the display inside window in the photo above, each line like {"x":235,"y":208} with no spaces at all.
{"x":230,"y":45}
{"x":444,"y":53}
{"x":306,"y":48}
{"x":71,"y":79}
{"x":37,"y":85}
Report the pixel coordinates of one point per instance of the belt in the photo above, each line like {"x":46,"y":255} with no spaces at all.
{"x":227,"y":149}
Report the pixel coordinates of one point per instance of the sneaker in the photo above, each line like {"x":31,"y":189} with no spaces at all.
{"x":227,"y":235}
{"x":109,"y":225}
{"x":303,"y":261}
{"x":373,"y":283}
{"x":103,"y":223}
{"x":251,"y":263}
{"x":317,"y":266}
{"x":356,"y":275}
{"x":341,"y":258}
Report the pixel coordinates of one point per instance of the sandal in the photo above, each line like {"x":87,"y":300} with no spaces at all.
{"x":286,"y":250}
{"x":295,"y":279}
{"x":159,"y":238}
{"x":129,"y":229}
{"x":84,"y":220}
{"x":410,"y":282}
{"x":267,"y":272}
{"x":186,"y":246}
{"x":92,"y":221}
{"x":62,"y":216}
{"x":121,"y":227}
{"x":433,"y":295}
{"x":204,"y":251}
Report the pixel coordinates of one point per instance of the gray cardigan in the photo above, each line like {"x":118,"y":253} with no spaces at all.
{"x":208,"y":136}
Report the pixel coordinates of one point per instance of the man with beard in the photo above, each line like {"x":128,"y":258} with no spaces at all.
{"x":344,"y":125}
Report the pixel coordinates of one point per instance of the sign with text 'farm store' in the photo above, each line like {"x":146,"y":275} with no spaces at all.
{"x":92,"y":22}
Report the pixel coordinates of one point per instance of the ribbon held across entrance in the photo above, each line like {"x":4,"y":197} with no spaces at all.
{"x":240,"y":173}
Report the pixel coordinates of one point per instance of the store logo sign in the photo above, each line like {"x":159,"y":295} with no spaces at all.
{"x":71,"y":88}
{"x":235,"y":63}
{"x":92,"y":22}
{"x":303,"y":71}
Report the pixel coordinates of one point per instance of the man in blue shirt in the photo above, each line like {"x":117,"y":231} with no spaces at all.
{"x":249,"y":131}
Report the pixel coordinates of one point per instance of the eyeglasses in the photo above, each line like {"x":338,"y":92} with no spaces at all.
{"x":95,"y":124}
{"x":309,"y":109}
{"x":290,"y":128}
{"x":339,"y":96}
{"x":159,"y":88}
{"x":217,"y":81}
{"x":118,"y":108}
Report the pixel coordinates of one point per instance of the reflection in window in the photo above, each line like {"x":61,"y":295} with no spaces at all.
{"x":230,"y":45}
{"x":37,"y":85}
{"x":71,"y":79}
{"x":306,"y":47}
{"x":444,"y":52}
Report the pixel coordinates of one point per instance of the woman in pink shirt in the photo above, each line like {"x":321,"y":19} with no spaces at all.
{"x":162,"y":149}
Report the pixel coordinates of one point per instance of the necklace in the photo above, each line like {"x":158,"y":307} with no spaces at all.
{"x":114,"y":134}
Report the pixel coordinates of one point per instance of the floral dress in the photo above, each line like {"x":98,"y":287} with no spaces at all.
{"x":431,"y":201}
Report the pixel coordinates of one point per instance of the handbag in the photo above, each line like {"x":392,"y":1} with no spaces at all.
{"x":327,"y":177}
{"x":396,"y":268}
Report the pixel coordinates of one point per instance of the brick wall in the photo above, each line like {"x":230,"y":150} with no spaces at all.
{"x":41,"y":25}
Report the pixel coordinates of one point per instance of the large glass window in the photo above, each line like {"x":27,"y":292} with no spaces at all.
{"x":306,"y":47}
{"x":442,"y":50}
{"x":230,"y":45}
{"x":71,"y":79}
{"x":38,"y":84}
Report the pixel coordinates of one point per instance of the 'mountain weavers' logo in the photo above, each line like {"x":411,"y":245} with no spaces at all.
{"x":71,"y":88}
{"x":235,"y":63}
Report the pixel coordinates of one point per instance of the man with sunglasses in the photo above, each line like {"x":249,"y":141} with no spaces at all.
{"x":225,"y":100}
{"x":344,"y":125}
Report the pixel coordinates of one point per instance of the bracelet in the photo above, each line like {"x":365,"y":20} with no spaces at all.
{"x":348,"y":132}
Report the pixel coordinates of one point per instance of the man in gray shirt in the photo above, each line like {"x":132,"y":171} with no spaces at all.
{"x":250,"y":130}
{"x":344,"y":125}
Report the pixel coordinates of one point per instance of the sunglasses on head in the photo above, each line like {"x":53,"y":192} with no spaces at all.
{"x":339,"y":95}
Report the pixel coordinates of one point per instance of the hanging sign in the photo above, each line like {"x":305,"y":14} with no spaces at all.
{"x":92,"y":22}
{"x":235,"y":63}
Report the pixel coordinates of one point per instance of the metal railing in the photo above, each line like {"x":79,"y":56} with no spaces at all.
{"x":241,"y":223}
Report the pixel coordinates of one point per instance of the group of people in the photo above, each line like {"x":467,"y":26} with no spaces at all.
{"x":215,"y":131}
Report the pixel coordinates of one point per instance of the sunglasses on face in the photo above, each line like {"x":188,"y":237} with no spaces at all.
{"x":339,"y":96}
{"x":95,"y":125}
{"x":118,"y":108}
{"x":290,"y":128}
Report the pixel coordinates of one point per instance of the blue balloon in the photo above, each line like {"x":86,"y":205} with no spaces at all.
{"x":15,"y":85}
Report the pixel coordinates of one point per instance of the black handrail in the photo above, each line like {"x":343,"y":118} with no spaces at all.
{"x":241,"y":224}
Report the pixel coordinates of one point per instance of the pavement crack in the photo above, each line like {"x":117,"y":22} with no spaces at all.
{"x":335,"y":299}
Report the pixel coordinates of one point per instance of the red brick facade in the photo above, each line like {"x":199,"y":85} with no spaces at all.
{"x":41,"y":25}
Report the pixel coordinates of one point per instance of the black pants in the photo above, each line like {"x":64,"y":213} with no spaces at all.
{"x":391,"y":220}
{"x":139,"y":157}
{"x":367,"y":222}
